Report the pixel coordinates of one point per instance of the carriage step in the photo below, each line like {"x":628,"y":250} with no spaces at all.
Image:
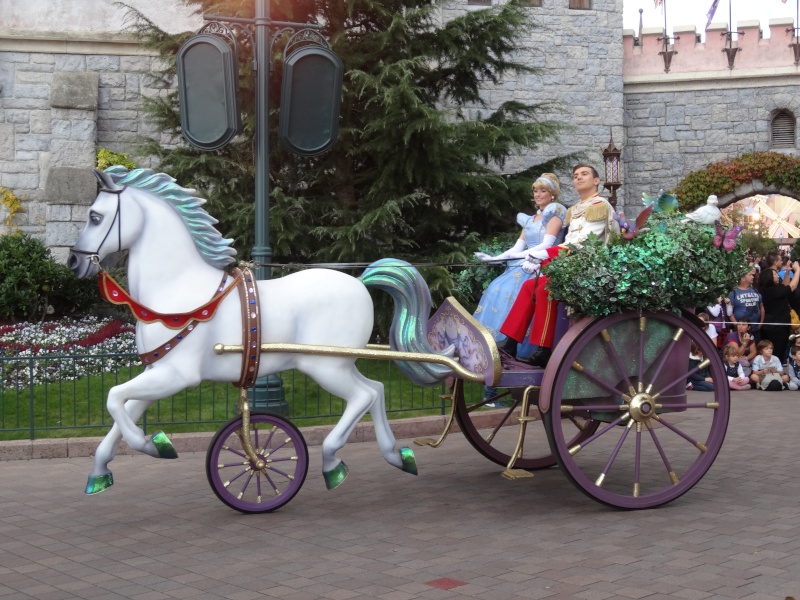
{"x":513,"y":474}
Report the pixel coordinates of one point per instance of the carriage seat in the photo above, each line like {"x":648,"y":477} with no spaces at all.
{"x":476,"y":349}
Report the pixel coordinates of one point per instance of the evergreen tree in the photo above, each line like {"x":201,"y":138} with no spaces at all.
{"x":412,"y":175}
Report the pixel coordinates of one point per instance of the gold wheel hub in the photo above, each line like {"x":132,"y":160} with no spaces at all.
{"x":642,"y":407}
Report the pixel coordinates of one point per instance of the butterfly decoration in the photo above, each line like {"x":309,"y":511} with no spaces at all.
{"x":662,"y":203}
{"x":631,"y":230}
{"x":726,"y":239}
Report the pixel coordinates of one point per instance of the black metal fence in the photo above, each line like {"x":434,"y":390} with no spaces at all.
{"x":51,"y":396}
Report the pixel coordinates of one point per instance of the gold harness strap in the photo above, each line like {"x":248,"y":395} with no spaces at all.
{"x":251,"y":328}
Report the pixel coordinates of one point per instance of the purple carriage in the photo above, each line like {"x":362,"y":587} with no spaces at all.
{"x":613,"y":403}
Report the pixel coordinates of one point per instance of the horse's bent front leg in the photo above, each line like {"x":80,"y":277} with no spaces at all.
{"x":152,"y":385}
{"x":100,"y":478}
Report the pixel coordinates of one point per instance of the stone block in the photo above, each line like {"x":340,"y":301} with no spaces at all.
{"x":49,"y":448}
{"x":36,"y":92}
{"x":15,"y":450}
{"x":70,"y":185}
{"x":34,"y":78}
{"x":59,"y":212}
{"x":7,"y":141}
{"x":74,"y":90}
{"x":134,"y":64}
{"x":20,"y":181}
{"x":33,"y":142}
{"x":69,"y":153}
{"x":83,"y":131}
{"x":30,"y":103}
{"x":80,"y":212}
{"x":70,"y":62}
{"x":60,"y":254}
{"x":102,"y":63}
{"x":61,"y":128}
{"x":17,"y":116}
{"x":62,"y":234}
{"x":37,"y":213}
{"x":39,"y":121}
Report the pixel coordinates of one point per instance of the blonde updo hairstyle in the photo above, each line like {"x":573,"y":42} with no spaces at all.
{"x":549,"y":183}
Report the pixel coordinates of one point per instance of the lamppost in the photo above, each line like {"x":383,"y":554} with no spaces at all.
{"x":611,"y":156}
{"x":208,"y":87}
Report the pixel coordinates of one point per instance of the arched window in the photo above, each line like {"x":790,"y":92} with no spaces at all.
{"x":783,"y":130}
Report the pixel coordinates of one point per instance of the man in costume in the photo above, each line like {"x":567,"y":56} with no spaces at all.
{"x":591,"y":215}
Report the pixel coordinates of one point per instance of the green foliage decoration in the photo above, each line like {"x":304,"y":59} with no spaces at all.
{"x":106,"y":158}
{"x":674,"y":264}
{"x":34,"y":285}
{"x":720,"y":178}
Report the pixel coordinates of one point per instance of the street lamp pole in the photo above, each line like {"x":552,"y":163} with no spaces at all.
{"x":262,"y":253}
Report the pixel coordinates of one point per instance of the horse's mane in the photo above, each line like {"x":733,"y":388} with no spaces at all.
{"x":214,"y":249}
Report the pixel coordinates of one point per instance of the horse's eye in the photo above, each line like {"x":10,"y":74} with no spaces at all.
{"x":95,"y":218}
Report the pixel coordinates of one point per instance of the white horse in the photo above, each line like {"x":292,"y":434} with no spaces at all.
{"x":176,"y":261}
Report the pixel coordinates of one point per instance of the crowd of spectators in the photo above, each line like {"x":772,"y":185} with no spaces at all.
{"x":753,"y":331}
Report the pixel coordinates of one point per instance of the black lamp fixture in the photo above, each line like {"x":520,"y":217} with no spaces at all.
{"x":611,"y":160}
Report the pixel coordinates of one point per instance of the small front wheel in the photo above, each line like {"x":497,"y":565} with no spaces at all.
{"x":238,"y":483}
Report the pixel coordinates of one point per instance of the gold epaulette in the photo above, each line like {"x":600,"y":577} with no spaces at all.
{"x":596,"y":212}
{"x":568,"y":218}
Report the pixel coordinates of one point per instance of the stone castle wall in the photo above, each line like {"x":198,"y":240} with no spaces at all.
{"x":702,"y":111}
{"x":580,"y":61}
{"x":60,"y":101}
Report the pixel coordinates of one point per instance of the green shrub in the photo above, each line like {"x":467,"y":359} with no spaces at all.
{"x":106,"y":158}
{"x":33,"y":285}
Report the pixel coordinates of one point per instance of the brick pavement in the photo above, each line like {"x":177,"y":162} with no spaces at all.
{"x":160,"y":533}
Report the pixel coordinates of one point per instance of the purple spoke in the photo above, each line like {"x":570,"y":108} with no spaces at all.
{"x":236,"y":452}
{"x":246,"y":483}
{"x":640,"y":372}
{"x":661,"y":452}
{"x":578,"y":426}
{"x":272,"y":483}
{"x":239,"y":475}
{"x":617,"y":361}
{"x":237,"y":464}
{"x":674,"y":429}
{"x":258,"y":484}
{"x":282,"y":459}
{"x":662,"y":360}
{"x":638,"y":460}
{"x":698,"y":405}
{"x":278,"y":471}
{"x":683,"y":378}
{"x":608,"y":427}
{"x":486,"y":401}
{"x":503,"y":420}
{"x":614,"y":454}
{"x":269,"y":439}
{"x":603,"y":407}
{"x":609,"y":388}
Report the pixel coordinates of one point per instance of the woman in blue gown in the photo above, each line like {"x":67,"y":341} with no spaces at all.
{"x":540,"y":231}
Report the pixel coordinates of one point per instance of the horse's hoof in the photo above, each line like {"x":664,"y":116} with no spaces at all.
{"x":163,"y":446}
{"x":336,"y":476}
{"x":99,"y":483}
{"x":409,"y":462}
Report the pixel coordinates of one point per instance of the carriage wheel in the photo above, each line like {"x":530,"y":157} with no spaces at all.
{"x":493,"y":431}
{"x":629,"y":371}
{"x":234,"y":479}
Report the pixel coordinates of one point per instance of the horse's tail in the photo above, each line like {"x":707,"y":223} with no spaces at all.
{"x":412,"y":307}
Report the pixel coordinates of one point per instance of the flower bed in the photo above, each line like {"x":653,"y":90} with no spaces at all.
{"x":64,"y":350}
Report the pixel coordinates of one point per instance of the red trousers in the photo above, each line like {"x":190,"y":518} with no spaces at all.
{"x":533,"y":301}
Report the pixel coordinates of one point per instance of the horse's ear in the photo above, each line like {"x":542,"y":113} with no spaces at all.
{"x":106,"y":183}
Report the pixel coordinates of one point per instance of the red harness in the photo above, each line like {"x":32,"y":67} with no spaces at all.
{"x":186,"y":322}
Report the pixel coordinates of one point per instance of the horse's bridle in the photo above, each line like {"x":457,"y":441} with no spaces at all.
{"x":95,"y":256}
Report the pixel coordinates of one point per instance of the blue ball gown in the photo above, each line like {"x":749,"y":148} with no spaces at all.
{"x":502,"y":291}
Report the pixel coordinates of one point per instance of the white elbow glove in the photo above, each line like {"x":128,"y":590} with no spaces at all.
{"x":516,"y":252}
{"x":547,"y":242}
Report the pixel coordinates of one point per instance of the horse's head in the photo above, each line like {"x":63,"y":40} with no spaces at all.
{"x":105,"y":231}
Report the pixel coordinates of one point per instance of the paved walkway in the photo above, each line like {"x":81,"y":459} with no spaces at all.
{"x":160,"y":532}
